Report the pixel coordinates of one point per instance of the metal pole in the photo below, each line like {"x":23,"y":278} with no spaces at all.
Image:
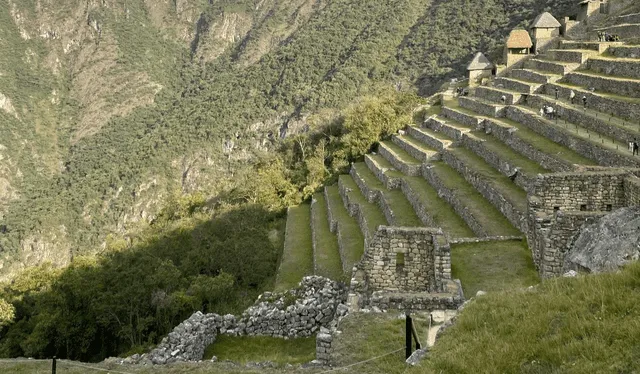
{"x":53,"y":365}
{"x":408,"y":327}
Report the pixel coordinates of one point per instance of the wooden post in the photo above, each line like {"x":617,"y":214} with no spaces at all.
{"x":53,"y":365}
{"x":408,"y":331}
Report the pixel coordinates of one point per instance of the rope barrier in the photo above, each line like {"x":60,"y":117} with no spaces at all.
{"x":70,"y":363}
{"x":361,"y":362}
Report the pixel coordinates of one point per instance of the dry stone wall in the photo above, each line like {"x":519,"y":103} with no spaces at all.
{"x":512,"y":213}
{"x":616,"y":107}
{"x":632,"y":191}
{"x":436,"y":124}
{"x":316,"y":303}
{"x":483,"y":108}
{"x":620,"y":68}
{"x":421,"y":210}
{"x":508,"y":135}
{"x":583,"y":147}
{"x":380,"y":173}
{"x":410,"y":170}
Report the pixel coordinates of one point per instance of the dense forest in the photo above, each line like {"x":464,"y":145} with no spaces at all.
{"x":209,"y":137}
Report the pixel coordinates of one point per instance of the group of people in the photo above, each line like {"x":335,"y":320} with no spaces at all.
{"x":462,"y":91}
{"x":548,"y":112}
{"x":633,"y":147}
{"x":606,"y":37}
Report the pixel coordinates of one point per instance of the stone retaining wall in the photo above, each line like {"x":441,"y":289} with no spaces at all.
{"x":465,"y":119}
{"x":583,"y":147}
{"x":440,"y":126}
{"x":335,"y":228}
{"x":621,"y":68}
{"x":492,"y":94}
{"x":515,"y":85}
{"x":426,"y":138}
{"x":410,"y":170}
{"x":485,"y":188}
{"x":421,"y":211}
{"x":601,"y":83}
{"x":450,"y":197}
{"x":625,"y":51}
{"x":314,"y":240}
{"x":355,"y":211}
{"x":416,"y":302}
{"x":529,"y":75}
{"x":572,"y":115}
{"x":411,"y":149}
{"x":550,"y":66}
{"x":505,"y":167}
{"x":632,"y":190}
{"x":509,"y":136}
{"x":380,"y":173}
{"x":485,"y":239}
{"x":481,"y":107}
{"x":615,"y":107}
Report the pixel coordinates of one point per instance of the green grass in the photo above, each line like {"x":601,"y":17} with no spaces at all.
{"x":372,"y":212}
{"x":327,"y":254}
{"x":511,"y":191}
{"x":417,"y":144}
{"x":588,"y":324}
{"x":297,"y":258}
{"x":440,"y":211}
{"x":404,"y":213}
{"x":245,"y":349}
{"x":352,"y":238}
{"x":492,"y":266}
{"x":491,"y":219}
{"x":526,"y":165}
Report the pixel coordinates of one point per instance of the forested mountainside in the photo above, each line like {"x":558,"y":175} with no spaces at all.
{"x":128,"y":124}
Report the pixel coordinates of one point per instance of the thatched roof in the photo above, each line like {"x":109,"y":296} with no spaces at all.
{"x":519,"y":39}
{"x":480,"y":62}
{"x":545,"y":21}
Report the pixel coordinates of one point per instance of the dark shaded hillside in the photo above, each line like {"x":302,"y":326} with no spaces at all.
{"x":262,"y":79}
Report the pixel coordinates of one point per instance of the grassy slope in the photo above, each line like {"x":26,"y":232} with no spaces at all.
{"x":263,"y":348}
{"x":327,"y":254}
{"x":297,"y":258}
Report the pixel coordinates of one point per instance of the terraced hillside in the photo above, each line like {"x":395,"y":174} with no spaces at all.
{"x":468,"y":168}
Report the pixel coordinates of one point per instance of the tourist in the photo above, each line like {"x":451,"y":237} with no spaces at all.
{"x":584,"y":101}
{"x":572,"y":96}
{"x":631,"y":146}
{"x":549,"y":110}
{"x":635,"y":147}
{"x":503,"y":99}
{"x":542,"y":111}
{"x":557,"y":93}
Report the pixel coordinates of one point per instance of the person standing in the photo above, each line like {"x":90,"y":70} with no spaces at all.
{"x":584,"y":101}
{"x":542,"y":111}
{"x":572,"y":96}
{"x":635,"y":147}
{"x":557,"y":93}
{"x":503,"y":99}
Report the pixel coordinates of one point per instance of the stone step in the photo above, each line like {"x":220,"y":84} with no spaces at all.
{"x":479,"y":214}
{"x":619,"y":106}
{"x":624,"y":51}
{"x":554,"y":67}
{"x":575,"y":137}
{"x":594,"y":121}
{"x":619,"y":67}
{"x":620,"y":86}
{"x":495,"y":95}
{"x":394,"y":205}
{"x":420,"y":151}
{"x":535,"y":76}
{"x":599,"y":47}
{"x":577,"y":56}
{"x":435,"y":140}
{"x":484,"y":108}
{"x":625,"y":31}
{"x":399,"y":158}
{"x":368,"y":215}
{"x":461,"y":116}
{"x":326,"y":251}
{"x":346,"y":228}
{"x":447,"y":126}
{"x":517,"y":85}
{"x":498,"y":189}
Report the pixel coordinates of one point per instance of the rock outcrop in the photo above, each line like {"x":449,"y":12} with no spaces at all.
{"x":607,"y":244}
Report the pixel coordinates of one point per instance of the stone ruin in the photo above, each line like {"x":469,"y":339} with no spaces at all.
{"x":317,"y":303}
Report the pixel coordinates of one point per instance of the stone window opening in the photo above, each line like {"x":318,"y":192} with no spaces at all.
{"x":609,"y":207}
{"x":556,"y":208}
{"x":399,"y":261}
{"x":583,"y":207}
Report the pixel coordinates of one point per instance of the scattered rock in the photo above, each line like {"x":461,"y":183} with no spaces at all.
{"x":480,"y":293}
{"x":416,"y":357}
{"x":570,"y":274}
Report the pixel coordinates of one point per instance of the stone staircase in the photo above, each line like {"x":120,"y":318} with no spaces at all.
{"x":469,"y":169}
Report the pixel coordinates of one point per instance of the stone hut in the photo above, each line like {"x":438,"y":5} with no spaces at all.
{"x":589,"y":8}
{"x":518,"y":47}
{"x":545,"y":27}
{"x":479,"y":68}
